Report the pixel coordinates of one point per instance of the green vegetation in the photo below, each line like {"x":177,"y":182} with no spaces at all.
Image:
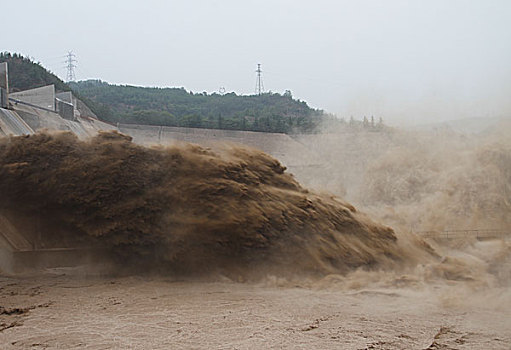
{"x":269,"y":112}
{"x":26,"y":74}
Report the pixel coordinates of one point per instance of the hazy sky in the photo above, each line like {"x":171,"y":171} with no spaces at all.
{"x":407,"y":61}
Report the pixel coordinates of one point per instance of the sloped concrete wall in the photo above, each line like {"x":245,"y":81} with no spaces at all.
{"x":11,"y":123}
{"x":281,"y":146}
{"x":11,"y":238}
{"x":42,"y":97}
{"x":65,"y":110}
{"x":40,"y":120}
{"x":66,"y":96}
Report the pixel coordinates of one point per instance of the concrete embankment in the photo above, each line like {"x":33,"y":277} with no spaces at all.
{"x":295,"y":156}
{"x":12,"y":124}
{"x":22,"y":247}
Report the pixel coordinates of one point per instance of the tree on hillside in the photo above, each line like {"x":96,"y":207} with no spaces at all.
{"x":25,"y":74}
{"x":270,"y":112}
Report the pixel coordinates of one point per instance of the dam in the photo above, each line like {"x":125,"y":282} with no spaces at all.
{"x":44,"y":108}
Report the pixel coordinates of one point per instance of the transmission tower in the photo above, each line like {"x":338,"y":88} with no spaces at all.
{"x":70,"y":65}
{"x":259,"y":82}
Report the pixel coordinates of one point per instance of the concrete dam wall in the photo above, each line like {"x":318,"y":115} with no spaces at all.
{"x":294,"y":155}
{"x":21,"y":244}
{"x":11,"y":123}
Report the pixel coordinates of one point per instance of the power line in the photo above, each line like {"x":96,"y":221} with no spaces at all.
{"x":259,"y":82}
{"x":70,"y":65}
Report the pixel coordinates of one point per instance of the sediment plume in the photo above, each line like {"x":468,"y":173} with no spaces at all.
{"x":422,"y":180}
{"x":184,"y":207}
{"x":442,"y":184}
{"x":434,"y":181}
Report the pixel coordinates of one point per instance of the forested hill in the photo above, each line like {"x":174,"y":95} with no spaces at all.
{"x":25,"y":74}
{"x":269,"y":112}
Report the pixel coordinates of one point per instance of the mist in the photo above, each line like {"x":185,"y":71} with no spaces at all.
{"x":418,"y":180}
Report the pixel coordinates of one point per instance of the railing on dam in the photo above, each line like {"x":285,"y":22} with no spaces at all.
{"x":464,"y":234}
